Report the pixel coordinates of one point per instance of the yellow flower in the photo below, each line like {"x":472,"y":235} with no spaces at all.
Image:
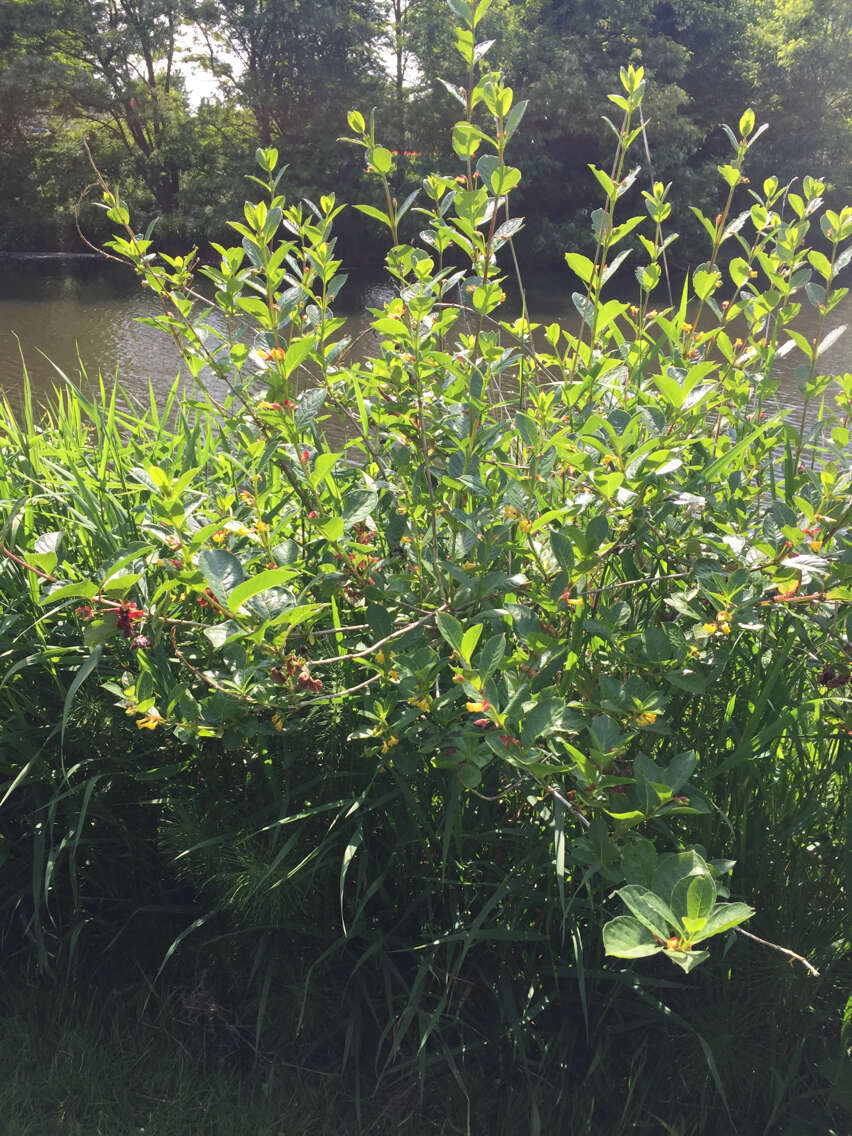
{"x":278,"y":721}
{"x":510,"y":512}
{"x":389,"y":742}
{"x":423,"y":703}
{"x":725,"y":628}
{"x":468,"y":565}
{"x":380,"y":657}
{"x":647,"y":718}
{"x":393,"y":675}
{"x":477,"y":707}
{"x":220,"y":537}
{"x":131,"y":710}
{"x":262,"y":527}
{"x":149,"y":722}
{"x":815,"y":545}
{"x":710,"y":628}
{"x":526,"y":524}
{"x":247,"y":497}
{"x":686,"y":327}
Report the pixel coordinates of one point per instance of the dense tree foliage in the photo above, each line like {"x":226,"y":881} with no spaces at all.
{"x":284,"y":72}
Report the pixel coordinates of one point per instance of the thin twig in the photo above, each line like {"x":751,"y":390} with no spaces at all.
{"x":584,"y":820}
{"x":207,"y":678}
{"x":24,"y":564}
{"x":338,"y":693}
{"x":781,"y":950}
{"x":381,"y":643}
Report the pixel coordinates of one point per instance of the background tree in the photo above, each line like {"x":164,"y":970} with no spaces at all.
{"x":286,"y":72}
{"x":111,"y":63}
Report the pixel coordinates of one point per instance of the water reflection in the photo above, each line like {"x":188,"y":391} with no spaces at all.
{"x":51,"y":308}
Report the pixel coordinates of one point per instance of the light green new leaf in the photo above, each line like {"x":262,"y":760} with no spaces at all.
{"x":692,"y":901}
{"x":469,"y":641}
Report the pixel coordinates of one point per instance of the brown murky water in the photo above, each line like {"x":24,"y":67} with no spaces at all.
{"x":70,"y":311}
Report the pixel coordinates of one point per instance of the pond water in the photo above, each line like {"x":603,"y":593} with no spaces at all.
{"x":58,"y":311}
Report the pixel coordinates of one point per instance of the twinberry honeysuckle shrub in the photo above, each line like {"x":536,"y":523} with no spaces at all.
{"x":531,"y":565}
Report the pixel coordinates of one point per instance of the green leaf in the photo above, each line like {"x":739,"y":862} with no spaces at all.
{"x":821,"y":263}
{"x":548,"y":716}
{"x":739,"y":271}
{"x":639,"y":860}
{"x":680,"y":769}
{"x":100,"y":631}
{"x":563,"y":550}
{"x":83,"y":589}
{"x":376,"y":214}
{"x":323,"y":465}
{"x":380,"y":159}
{"x":222,"y":571}
{"x":674,"y":867}
{"x":332,"y":529}
{"x":584,"y":306}
{"x":467,"y":139}
{"x":220,"y":633}
{"x":469,"y":641}
{"x":256,"y":584}
{"x":293,"y":616}
{"x":470,"y":775}
{"x":514,"y":117}
{"x":581,"y":265}
{"x":297,"y":353}
{"x":687,"y":960}
{"x":625,"y":937}
{"x":120,"y":585}
{"x":491,"y":655}
{"x":651,"y":911}
{"x":48,"y":542}
{"x":722,"y":918}
{"x":450,"y":629}
{"x":504,"y":180}
{"x":604,"y":733}
{"x":705,"y":282}
{"x":358,"y":504}
{"x":309,"y":405}
{"x":692,"y":901}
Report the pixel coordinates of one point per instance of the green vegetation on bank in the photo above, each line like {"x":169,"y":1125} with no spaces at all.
{"x":285,"y":72}
{"x":468,"y":725}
